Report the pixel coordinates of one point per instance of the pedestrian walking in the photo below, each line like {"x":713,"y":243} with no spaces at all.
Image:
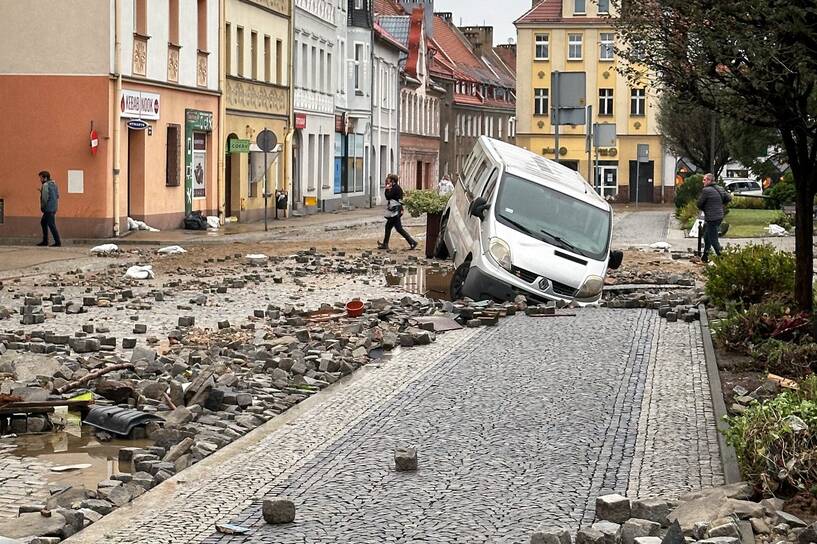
{"x":49,"y":197}
{"x":394,"y":212}
{"x":445,"y":187}
{"x":712,"y":202}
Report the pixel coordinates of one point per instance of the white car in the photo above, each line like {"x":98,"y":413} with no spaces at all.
{"x":521,"y":224}
{"x":744,"y":187}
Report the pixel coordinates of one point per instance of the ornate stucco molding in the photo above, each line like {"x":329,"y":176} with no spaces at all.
{"x":258,"y":97}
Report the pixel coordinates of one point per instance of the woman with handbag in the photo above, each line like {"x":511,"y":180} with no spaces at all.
{"x":394,"y":212}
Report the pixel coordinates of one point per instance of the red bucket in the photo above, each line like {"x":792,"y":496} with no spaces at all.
{"x":354,"y":308}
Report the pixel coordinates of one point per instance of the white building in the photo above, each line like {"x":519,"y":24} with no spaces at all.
{"x":385,"y":115}
{"x":316,"y":60}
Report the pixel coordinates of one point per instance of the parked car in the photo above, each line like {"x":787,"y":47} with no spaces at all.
{"x":518,"y":223}
{"x":744,"y":187}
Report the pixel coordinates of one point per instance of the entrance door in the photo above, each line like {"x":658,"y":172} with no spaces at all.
{"x":607,"y":181}
{"x":296,"y":171}
{"x":644,"y":191}
{"x":131,"y":164}
{"x":419,"y":175}
{"x":136,"y":207}
{"x":228,"y":181}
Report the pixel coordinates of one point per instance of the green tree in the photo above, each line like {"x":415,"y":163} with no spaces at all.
{"x":690,"y":130}
{"x":751,"y":60}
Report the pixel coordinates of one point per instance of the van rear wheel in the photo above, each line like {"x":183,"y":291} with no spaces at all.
{"x":440,"y":248}
{"x":458,"y":280}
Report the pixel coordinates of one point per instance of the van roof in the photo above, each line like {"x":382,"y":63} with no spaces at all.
{"x":545,"y":171}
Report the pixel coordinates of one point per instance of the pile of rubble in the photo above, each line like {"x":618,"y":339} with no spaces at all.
{"x":721,"y":515}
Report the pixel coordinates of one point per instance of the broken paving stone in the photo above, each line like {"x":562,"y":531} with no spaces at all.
{"x":634,"y":528}
{"x":277,"y":511}
{"x":97,"y":505}
{"x":613,"y":507}
{"x":405,"y":459}
{"x":588,"y":535}
{"x":548,"y":535}
{"x":655,"y":510}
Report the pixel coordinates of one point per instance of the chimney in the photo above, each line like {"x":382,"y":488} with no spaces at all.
{"x":481,"y":37}
{"x":445,"y":16}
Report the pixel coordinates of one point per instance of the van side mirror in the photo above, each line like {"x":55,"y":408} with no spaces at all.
{"x":616,"y":257}
{"x":478,"y":207}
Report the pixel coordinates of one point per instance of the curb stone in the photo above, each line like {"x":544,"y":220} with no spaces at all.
{"x":729,"y":459}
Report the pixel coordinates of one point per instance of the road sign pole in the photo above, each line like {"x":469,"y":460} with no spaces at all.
{"x":556,"y":107}
{"x":266,"y":191}
{"x":588,"y":146}
{"x":637,"y":179}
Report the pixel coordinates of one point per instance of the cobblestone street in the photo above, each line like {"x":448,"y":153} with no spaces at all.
{"x":515,"y":426}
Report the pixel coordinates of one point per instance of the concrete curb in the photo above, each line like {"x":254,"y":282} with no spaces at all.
{"x":729,"y":459}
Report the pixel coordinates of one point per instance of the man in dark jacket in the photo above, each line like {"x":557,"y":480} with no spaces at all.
{"x":49,"y":196}
{"x":394,"y":211}
{"x":712,"y":202}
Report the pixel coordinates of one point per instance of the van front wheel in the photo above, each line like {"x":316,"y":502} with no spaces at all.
{"x":458,"y":280}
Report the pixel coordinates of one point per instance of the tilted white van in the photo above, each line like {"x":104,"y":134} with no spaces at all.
{"x":518,"y":223}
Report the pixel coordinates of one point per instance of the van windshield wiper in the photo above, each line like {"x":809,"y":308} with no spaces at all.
{"x":518,"y":225}
{"x":562,"y":242}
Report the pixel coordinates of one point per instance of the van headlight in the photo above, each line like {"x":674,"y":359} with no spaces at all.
{"x":591,"y":287}
{"x":500,"y":252}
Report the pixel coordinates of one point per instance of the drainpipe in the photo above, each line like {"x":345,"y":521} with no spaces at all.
{"x":117,"y":125}
{"x":221,"y":191}
{"x":287,"y":150}
{"x":371,"y":113}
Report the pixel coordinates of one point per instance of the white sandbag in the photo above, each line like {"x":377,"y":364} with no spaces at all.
{"x":776,"y":230}
{"x":105,"y":249}
{"x":137,"y":272}
{"x":132,"y":224}
{"x":696,"y":226}
{"x":213,"y":222}
{"x":171,"y":250}
{"x":660,"y":245}
{"x":257,"y":258}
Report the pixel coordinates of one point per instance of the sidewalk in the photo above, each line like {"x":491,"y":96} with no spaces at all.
{"x":230,"y":232}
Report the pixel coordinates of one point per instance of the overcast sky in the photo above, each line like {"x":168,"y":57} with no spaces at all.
{"x":497,"y":13}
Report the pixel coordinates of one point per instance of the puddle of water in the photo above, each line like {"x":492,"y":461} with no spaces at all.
{"x":66,"y":448}
{"x":428,"y":281}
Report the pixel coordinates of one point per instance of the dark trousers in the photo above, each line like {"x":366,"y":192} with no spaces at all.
{"x":711,"y":232}
{"x":49,"y":221}
{"x":396,"y":224}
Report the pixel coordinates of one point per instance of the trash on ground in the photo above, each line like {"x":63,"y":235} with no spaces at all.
{"x":660,"y":245}
{"x":257,"y":258}
{"x":133,"y":224}
{"x":105,"y":249}
{"x":776,"y":230}
{"x":66,"y":468}
{"x":213,"y":222}
{"x":783,"y":382}
{"x":116,"y":420}
{"x":230,"y":529}
{"x":171,"y":250}
{"x":138,"y":272}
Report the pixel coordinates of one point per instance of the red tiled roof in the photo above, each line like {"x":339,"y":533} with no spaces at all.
{"x":384,"y":35}
{"x":388,"y":7}
{"x":550,"y":11}
{"x":456,"y":48}
{"x":508,"y":56}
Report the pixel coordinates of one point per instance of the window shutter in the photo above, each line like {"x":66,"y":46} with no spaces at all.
{"x":173,"y":156}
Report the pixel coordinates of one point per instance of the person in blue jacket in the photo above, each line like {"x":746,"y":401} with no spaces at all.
{"x":49,"y":197}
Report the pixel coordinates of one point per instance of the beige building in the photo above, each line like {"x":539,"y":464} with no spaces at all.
{"x":578,"y":36}
{"x":257,"y":96}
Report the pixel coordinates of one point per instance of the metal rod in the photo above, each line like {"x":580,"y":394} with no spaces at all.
{"x":637,"y":176}
{"x":266,"y":187}
{"x":589,"y":145}
{"x":556,"y":111}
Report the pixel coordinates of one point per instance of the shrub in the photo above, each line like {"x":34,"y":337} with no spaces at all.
{"x":781,"y":193}
{"x":687,"y":215}
{"x":782,"y":218}
{"x":425,"y":201}
{"x":747,"y":203}
{"x":689,"y":190}
{"x":776,"y":441}
{"x":743,"y":329}
{"x":746,"y":275}
{"x":791,"y":359}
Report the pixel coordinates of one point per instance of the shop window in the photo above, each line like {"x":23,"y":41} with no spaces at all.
{"x":173,"y":156}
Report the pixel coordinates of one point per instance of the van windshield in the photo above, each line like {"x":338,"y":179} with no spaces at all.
{"x":553,"y":217}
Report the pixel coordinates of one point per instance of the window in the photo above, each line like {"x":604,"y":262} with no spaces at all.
{"x":606,"y":46}
{"x":239,"y":51}
{"x":579,"y":7}
{"x":173,"y":156}
{"x":140,"y":17}
{"x":202,"y":25}
{"x":605,"y":101}
{"x":313,"y":83}
{"x":279,"y":55}
{"x":358,"y":4}
{"x":267,"y":59}
{"x":304,"y":65}
{"x":254,"y":54}
{"x":321,"y":71}
{"x":173,"y":17}
{"x":358,"y":59}
{"x":328,"y":88}
{"x":637,"y":101}
{"x":574,"y":47}
{"x":228,"y":57}
{"x":604,"y":7}
{"x":540,"y":101}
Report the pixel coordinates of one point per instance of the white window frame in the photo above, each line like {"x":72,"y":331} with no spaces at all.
{"x":541,"y":40}
{"x":608,"y":101}
{"x":638,"y":98}
{"x":357,"y":72}
{"x":571,"y":43}
{"x":606,"y":9}
{"x":541,"y":99}
{"x":577,"y":11}
{"x":606,"y":46}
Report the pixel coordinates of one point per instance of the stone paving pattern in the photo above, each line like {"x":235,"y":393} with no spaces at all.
{"x":515,"y":426}
{"x":23,"y":480}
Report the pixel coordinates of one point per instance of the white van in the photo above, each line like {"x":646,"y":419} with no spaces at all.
{"x":518,"y":223}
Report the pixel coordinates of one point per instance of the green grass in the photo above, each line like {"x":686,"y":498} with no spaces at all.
{"x":748,"y":223}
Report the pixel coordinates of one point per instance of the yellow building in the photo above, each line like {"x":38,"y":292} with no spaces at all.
{"x":257,"y":75}
{"x":577,"y":36}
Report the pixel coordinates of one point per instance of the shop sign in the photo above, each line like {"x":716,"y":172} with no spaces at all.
{"x":139,"y":105}
{"x":300,"y":121}
{"x":137,"y":124}
{"x":238,"y":146}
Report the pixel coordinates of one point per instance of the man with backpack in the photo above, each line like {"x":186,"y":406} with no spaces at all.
{"x":712,"y":202}
{"x":49,"y":196}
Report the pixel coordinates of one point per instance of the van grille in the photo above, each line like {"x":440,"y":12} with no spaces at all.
{"x":525,"y":275}
{"x":562,"y":289}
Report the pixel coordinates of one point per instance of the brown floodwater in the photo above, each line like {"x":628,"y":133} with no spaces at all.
{"x":430,"y":281}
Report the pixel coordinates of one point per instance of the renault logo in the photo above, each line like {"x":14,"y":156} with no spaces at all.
{"x":544,"y":283}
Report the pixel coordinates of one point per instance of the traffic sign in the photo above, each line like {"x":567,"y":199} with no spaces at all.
{"x":643,"y":152}
{"x":266,"y":140}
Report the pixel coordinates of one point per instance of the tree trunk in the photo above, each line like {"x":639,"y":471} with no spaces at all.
{"x":803,"y":248}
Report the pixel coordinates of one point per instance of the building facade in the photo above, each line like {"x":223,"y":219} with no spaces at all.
{"x":141,"y":77}
{"x":480,"y":90}
{"x":577,"y":36}
{"x":318,"y":65}
{"x":257,"y":97}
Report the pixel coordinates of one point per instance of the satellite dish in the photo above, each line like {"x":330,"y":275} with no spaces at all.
{"x":510,"y":41}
